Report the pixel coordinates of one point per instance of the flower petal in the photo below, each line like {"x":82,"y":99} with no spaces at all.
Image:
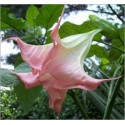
{"x":56,"y":96}
{"x":39,"y":56}
{"x":54,"y":34}
{"x":88,"y":83}
{"x":36,"y":56}
{"x":28,"y":79}
{"x":67,"y":65}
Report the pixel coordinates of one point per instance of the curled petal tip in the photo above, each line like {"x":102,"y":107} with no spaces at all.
{"x":54,"y":33}
{"x":12,"y":38}
{"x":60,"y":18}
{"x":110,"y":79}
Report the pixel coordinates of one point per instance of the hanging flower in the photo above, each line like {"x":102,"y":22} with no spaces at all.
{"x":58,"y":66}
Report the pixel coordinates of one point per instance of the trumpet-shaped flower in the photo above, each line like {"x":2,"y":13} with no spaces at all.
{"x":58,"y":66}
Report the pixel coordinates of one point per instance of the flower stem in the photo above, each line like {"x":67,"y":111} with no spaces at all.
{"x":112,"y":96}
{"x":78,"y":103}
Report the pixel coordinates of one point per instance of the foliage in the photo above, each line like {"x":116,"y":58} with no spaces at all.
{"x":12,"y":109}
{"x":107,"y":102}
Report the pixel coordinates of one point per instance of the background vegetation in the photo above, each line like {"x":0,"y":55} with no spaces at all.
{"x":28,"y":22}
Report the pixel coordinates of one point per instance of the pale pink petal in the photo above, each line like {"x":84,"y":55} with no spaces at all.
{"x":36,"y":56}
{"x":87,"y":83}
{"x":54,"y":34}
{"x":39,"y":56}
{"x":28,"y":79}
{"x":67,"y":65}
{"x":56,"y":96}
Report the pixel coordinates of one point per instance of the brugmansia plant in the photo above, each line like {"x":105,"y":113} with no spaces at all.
{"x":58,"y":66}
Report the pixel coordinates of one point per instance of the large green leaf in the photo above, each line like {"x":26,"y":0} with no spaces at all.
{"x":48,"y":15}
{"x":26,"y":96}
{"x":23,"y":68}
{"x":97,"y":50}
{"x":122,"y":33}
{"x":108,"y":29}
{"x":68,"y":29}
{"x":9,"y":79}
{"x":114,"y":53}
{"x":48,"y":40}
{"x":4,"y":26}
{"x":31,"y":14}
{"x":7,"y":20}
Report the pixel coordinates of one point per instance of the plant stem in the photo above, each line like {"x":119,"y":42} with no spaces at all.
{"x":78,"y":103}
{"x":112,"y":97}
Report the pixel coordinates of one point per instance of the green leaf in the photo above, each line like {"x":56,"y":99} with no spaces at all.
{"x":10,"y":21}
{"x":26,"y":96}
{"x":48,"y":38}
{"x":104,"y":61}
{"x":97,"y":50}
{"x":95,"y":99}
{"x":4,"y":26}
{"x":94,"y":17}
{"x":18,"y":60}
{"x":9,"y":79}
{"x":31,"y":14}
{"x":29,"y":38}
{"x":114,"y":53}
{"x":122,"y":33}
{"x":22,"y":68}
{"x":48,"y":15}
{"x":68,"y":29}
{"x":109,"y":30}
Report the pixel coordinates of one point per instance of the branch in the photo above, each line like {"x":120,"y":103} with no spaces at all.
{"x":114,"y":12}
{"x":96,"y":11}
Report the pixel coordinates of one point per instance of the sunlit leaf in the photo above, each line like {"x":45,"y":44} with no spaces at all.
{"x":48,"y":15}
{"x":4,"y":26}
{"x":8,"y":79}
{"x":70,"y":29}
{"x":31,"y":14}
{"x":11,"y":21}
{"x":114,"y":53}
{"x":109,"y":29}
{"x":97,"y":50}
{"x":94,"y":17}
{"x":122,"y":33}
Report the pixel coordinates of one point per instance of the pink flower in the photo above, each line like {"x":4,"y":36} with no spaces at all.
{"x":58,"y":66}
